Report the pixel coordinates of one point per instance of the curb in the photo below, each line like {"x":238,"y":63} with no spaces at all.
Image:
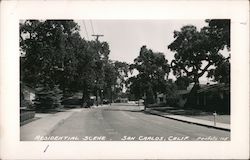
{"x":28,"y":121}
{"x":200,"y":124}
{"x":60,"y":122}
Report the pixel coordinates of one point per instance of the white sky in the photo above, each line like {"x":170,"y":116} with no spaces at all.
{"x":126,"y":37}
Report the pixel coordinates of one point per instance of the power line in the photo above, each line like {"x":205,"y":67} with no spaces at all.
{"x":93,"y":31}
{"x":86,"y":29}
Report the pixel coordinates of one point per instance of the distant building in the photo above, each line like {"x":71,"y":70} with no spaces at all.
{"x":121,"y":100}
{"x":161,"y":98}
{"x":182,"y":96}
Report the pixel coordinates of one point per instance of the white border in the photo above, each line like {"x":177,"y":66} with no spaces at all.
{"x":12,"y":11}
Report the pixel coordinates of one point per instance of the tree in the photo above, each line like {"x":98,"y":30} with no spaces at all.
{"x":221,"y":73}
{"x":53,"y":53}
{"x":136,"y":87}
{"x":219,"y":31}
{"x":44,"y":48}
{"x":47,"y":58}
{"x":115,"y":75}
{"x":122,"y":70}
{"x":47,"y":99}
{"x":153,"y":71}
{"x":195,"y":51}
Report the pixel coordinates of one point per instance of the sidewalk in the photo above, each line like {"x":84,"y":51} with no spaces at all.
{"x":203,"y":120}
{"x":44,"y":125}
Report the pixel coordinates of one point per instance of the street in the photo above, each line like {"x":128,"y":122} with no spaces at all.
{"x":126,"y":122}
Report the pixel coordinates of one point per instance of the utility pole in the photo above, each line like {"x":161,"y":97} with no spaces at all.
{"x":97,"y":92}
{"x":97,"y":36}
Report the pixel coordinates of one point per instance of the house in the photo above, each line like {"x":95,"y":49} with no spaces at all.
{"x":182,"y":96}
{"x":27,"y":95}
{"x":161,"y":98}
{"x":214,"y":97}
{"x":210,"y":97}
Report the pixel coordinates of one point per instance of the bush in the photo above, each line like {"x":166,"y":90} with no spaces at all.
{"x":26,"y":115}
{"x":48,"y":99}
{"x":26,"y":104}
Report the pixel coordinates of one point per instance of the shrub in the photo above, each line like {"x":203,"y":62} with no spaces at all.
{"x":48,"y":99}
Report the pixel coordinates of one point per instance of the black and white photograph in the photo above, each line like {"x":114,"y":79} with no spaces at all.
{"x":134,"y":79}
{"x":125,"y":80}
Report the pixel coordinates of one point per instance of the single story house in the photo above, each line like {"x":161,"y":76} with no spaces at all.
{"x":211,"y":97}
{"x":214,"y":97}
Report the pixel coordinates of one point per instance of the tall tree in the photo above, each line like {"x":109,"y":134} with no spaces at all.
{"x":115,"y":75}
{"x":43,"y":44}
{"x":182,"y":83}
{"x":153,"y":71}
{"x":221,"y":73}
{"x":195,"y":51}
{"x":219,"y":31}
{"x":45,"y":57}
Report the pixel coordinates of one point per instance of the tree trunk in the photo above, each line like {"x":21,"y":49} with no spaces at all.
{"x":155,"y":97}
{"x":97,"y":97}
{"x":149,"y":96}
{"x":192,"y":97}
{"x":83,"y":98}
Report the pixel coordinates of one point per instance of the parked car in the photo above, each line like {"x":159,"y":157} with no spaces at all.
{"x":105,"y":101}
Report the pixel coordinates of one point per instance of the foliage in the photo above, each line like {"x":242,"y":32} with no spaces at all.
{"x":136,"y":87}
{"x":115,"y":75}
{"x":47,"y":99}
{"x":153,"y":71}
{"x":221,"y":73}
{"x":219,"y":33}
{"x":195,"y":49}
{"x":171,"y":95}
{"x":54,"y":54}
{"x":43,"y":44}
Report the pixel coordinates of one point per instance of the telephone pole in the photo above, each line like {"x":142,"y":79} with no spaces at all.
{"x":97,"y":91}
{"x":97,"y":36}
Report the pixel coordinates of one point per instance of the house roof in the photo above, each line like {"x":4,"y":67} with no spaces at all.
{"x":206,"y":88}
{"x":214,"y":87}
{"x":181,"y":92}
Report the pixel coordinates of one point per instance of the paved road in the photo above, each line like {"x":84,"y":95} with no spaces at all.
{"x":127,"y":122}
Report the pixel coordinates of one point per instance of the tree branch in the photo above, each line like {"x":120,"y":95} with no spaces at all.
{"x":205,"y":69}
{"x":181,"y":66}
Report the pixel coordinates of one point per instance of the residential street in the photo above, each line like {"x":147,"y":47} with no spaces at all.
{"x":127,"y":122}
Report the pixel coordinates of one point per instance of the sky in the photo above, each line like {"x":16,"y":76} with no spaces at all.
{"x":126,"y":37}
